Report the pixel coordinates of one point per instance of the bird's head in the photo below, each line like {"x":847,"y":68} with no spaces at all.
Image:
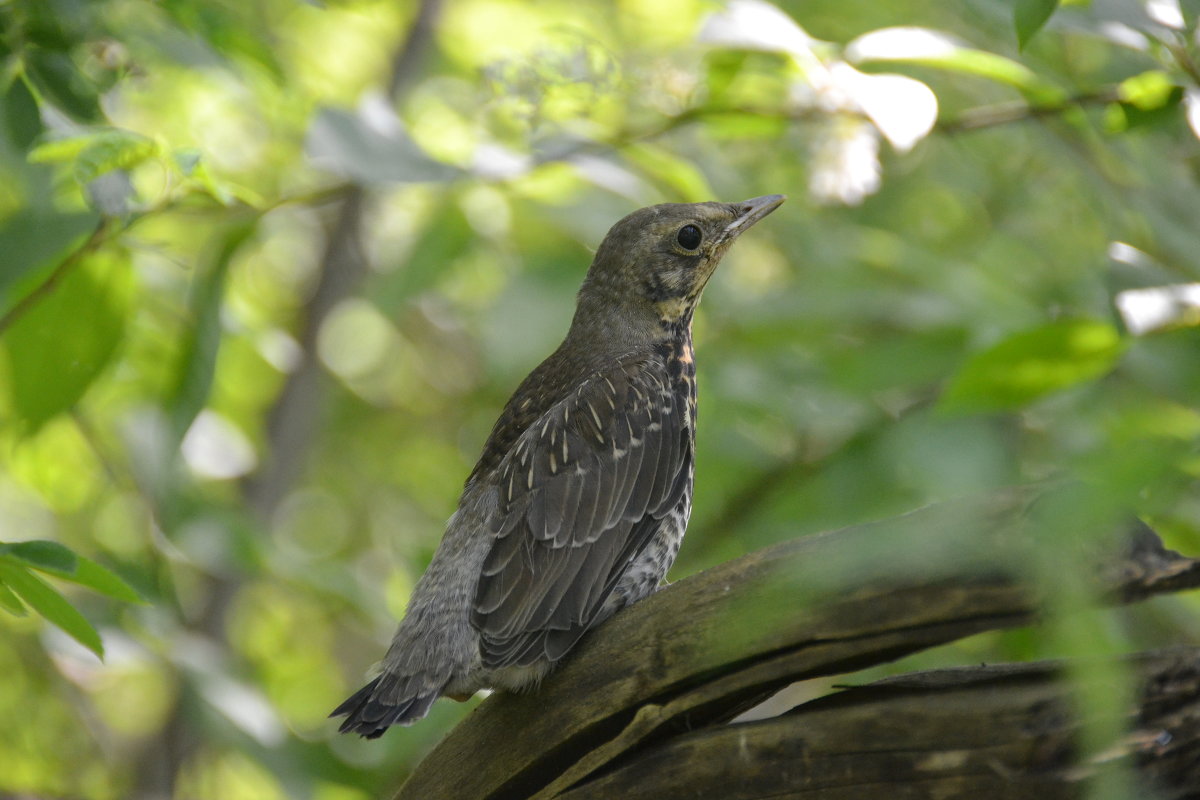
{"x":654,"y":263}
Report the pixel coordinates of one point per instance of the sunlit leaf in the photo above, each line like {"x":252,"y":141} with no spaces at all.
{"x":686,"y":182}
{"x":1167,"y":13}
{"x":755,"y":25}
{"x":63,"y":342}
{"x":722,"y":68}
{"x":97,"y":152}
{"x":1120,"y":117}
{"x":941,"y":50}
{"x":1029,"y":16}
{"x":734,"y":125}
{"x":11,"y":603}
{"x":60,"y":150}
{"x":1147,"y":90}
{"x":115,"y":150}
{"x":1032,"y":364}
{"x":904,"y":109}
{"x":1159,"y":308}
{"x":1146,"y":99}
{"x":43,"y":599}
{"x":193,"y":167}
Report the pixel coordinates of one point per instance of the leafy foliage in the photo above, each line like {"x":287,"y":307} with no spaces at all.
{"x":1032,"y":364}
{"x":258,"y":313}
{"x":18,"y":582}
{"x":1030,"y":15}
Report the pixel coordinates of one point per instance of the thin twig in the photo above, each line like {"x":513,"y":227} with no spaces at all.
{"x":1007,"y":113}
{"x":970,"y":120}
{"x":1185,"y":61}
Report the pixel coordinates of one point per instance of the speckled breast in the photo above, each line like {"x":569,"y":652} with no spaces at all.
{"x":681,"y":368}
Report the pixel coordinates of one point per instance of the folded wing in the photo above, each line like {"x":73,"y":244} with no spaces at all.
{"x":580,"y":496}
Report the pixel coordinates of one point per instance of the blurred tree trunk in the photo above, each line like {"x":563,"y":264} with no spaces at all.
{"x":292,"y":419}
{"x":643,"y":709}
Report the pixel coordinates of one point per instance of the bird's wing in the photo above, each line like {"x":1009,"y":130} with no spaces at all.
{"x":581,"y":494}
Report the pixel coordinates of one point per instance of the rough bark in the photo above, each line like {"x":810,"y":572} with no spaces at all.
{"x":643,"y":709}
{"x":1003,"y":731}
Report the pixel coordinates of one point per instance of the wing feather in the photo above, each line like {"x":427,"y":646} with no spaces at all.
{"x":581,"y":494}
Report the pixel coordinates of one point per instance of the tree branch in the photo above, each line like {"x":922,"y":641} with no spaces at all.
{"x":687,"y":659}
{"x":1007,"y":113}
{"x":984,"y":732}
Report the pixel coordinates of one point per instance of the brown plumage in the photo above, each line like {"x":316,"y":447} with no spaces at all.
{"x":579,"y":501}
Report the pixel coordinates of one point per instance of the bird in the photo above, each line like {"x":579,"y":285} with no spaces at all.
{"x":578,"y":503}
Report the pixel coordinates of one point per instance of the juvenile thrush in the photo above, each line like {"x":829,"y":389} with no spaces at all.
{"x":578,"y":504}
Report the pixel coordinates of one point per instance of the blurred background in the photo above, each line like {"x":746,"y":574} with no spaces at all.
{"x":270,"y":269}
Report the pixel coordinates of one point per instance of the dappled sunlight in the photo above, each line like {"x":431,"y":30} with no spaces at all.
{"x":214,"y":448}
{"x":270,"y":270}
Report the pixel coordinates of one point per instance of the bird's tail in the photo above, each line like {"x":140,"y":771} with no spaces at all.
{"x":388,"y":700}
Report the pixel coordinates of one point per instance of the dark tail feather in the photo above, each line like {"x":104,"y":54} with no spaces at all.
{"x":368,"y":714}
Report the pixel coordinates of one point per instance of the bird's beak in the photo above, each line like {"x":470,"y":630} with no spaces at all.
{"x":749,"y":212}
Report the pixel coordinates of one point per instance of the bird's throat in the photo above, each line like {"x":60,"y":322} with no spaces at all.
{"x":680,"y":359}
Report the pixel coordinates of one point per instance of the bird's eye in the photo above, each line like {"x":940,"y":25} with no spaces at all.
{"x":689,"y":237}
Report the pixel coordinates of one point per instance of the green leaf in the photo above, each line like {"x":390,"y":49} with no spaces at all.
{"x":1191,"y":13}
{"x":1120,"y":117}
{"x":11,"y":602}
{"x":1148,"y":98}
{"x":19,"y":111}
{"x":229,"y":32}
{"x":1032,"y":364}
{"x":1149,"y":90}
{"x":100,"y":579}
{"x":113,"y":150}
{"x":59,"y":561}
{"x":735,"y":124}
{"x":43,"y":554}
{"x":35,"y":237}
{"x":940,"y":50}
{"x":898,"y":361}
{"x":722,"y":69}
{"x":59,"y":80}
{"x":66,"y":339}
{"x":195,"y":172}
{"x":685,"y":181}
{"x":43,"y":599}
{"x":1029,"y":16}
{"x":97,"y":152}
{"x":198,"y":360}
